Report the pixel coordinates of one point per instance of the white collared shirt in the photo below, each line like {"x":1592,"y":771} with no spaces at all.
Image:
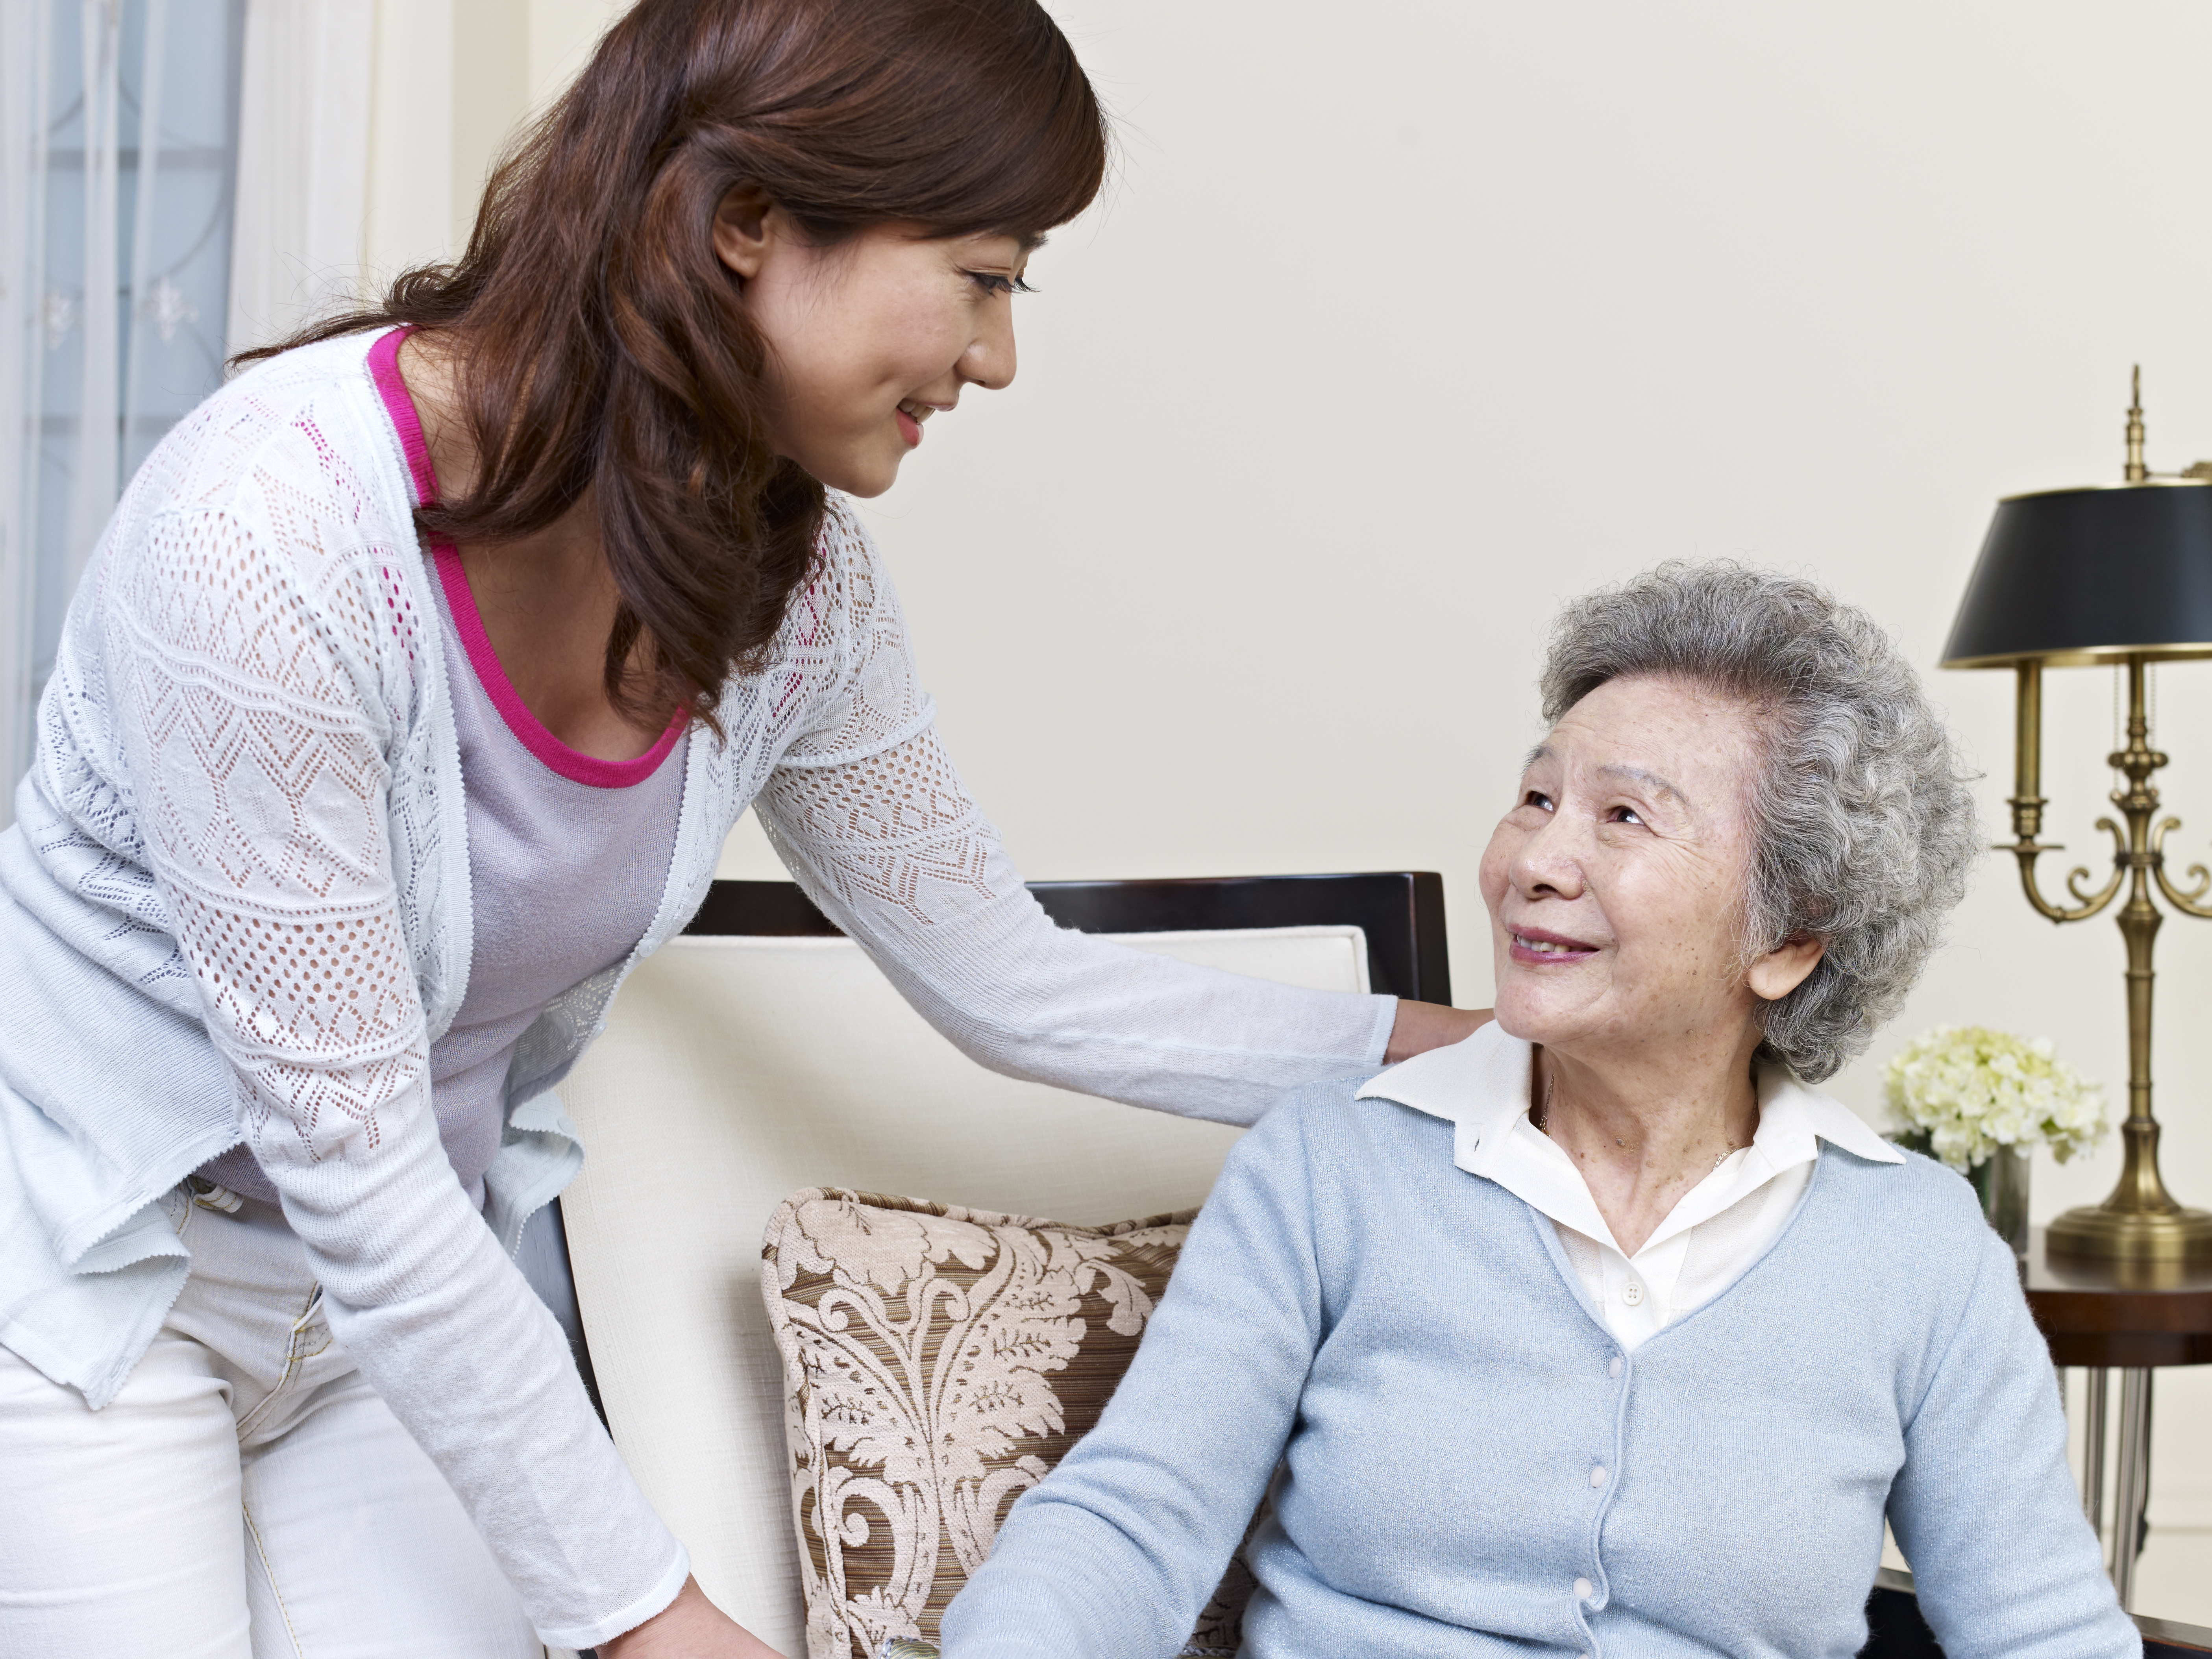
{"x":1715,"y":1231}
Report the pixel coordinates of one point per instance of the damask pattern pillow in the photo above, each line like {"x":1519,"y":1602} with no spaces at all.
{"x":938,"y":1362}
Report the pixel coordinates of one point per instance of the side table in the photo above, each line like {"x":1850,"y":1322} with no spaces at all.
{"x":2107,"y":1315}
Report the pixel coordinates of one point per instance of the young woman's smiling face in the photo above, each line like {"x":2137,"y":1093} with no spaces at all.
{"x":871,"y":336}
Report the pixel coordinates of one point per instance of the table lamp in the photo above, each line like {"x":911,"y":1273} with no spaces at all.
{"x":2116,"y":573}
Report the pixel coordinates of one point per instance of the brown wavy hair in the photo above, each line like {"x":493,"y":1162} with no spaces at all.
{"x":601,"y":346}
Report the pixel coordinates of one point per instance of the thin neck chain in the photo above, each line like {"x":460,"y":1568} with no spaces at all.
{"x":1539,"y":1119}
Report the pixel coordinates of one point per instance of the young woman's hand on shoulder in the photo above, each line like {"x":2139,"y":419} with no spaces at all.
{"x":1421,"y":1026}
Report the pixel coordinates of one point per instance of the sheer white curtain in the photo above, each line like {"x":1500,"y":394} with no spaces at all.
{"x":302,"y":163}
{"x":119,"y":125}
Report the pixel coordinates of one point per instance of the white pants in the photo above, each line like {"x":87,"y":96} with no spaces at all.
{"x":246,"y":1496}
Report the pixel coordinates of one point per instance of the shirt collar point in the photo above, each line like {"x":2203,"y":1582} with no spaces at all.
{"x":1796,"y":1108}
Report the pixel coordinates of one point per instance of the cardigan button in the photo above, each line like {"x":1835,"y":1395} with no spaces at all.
{"x":1613,"y":1370}
{"x":1597,"y":1475}
{"x":1583,"y":1589}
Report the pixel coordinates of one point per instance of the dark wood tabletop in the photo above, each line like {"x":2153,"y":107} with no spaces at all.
{"x":2103,"y":1313}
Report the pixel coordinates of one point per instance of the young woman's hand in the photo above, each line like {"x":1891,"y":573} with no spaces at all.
{"x":690,"y":1628}
{"x":1422,"y":1026}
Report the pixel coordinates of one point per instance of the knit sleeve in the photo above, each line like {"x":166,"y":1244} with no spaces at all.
{"x":246,"y":649}
{"x":867,"y":812}
{"x":1986,"y":1509}
{"x":1114,"y":1552}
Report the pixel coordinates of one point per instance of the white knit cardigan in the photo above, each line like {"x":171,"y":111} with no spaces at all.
{"x":235,"y":905}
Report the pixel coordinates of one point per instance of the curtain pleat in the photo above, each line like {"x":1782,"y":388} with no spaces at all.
{"x":26,"y":80}
{"x":142,"y":308}
{"x":303,"y":164}
{"x":93,"y":482}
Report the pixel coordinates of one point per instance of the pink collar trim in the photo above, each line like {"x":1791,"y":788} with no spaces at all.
{"x":468,"y":621}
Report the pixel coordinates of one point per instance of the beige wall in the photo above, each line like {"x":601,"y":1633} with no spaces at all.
{"x":451,"y":81}
{"x":1401,"y":322}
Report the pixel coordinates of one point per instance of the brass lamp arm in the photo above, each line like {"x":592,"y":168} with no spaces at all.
{"x":2086,"y":905}
{"x":2191,"y":903}
{"x":2027,"y":804}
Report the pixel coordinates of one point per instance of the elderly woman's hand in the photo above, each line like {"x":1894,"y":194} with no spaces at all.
{"x":1422,"y":1026}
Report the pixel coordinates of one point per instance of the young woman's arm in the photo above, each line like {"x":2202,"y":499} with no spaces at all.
{"x":939,"y":905}
{"x":1116,"y":1552}
{"x":868,"y":813}
{"x":242,"y":652}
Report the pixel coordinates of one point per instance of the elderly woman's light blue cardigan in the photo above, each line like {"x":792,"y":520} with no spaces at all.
{"x":1464,"y":1472}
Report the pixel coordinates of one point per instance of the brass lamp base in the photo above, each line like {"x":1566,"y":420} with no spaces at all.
{"x":2138,"y":1236}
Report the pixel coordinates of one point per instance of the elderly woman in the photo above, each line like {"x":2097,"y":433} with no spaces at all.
{"x":1600,"y":1331}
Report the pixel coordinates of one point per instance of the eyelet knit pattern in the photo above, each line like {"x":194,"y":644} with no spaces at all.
{"x":239,"y":651}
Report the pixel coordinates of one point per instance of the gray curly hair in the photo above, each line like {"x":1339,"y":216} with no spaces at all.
{"x":1864,"y":828}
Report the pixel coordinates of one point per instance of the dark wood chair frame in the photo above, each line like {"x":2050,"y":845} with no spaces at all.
{"x":1402,"y":913}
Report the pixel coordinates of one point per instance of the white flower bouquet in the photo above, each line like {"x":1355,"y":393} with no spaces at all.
{"x":1961,"y":1092}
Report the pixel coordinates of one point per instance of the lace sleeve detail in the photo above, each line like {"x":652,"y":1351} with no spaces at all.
{"x":259,"y":770}
{"x":847,"y":631}
{"x":893,"y":835}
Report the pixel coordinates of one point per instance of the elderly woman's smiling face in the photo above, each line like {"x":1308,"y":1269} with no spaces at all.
{"x":1616,"y":884}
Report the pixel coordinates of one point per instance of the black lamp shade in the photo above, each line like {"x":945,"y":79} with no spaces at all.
{"x":2074,"y":576}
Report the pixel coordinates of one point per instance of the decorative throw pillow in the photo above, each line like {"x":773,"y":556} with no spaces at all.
{"x":937,"y":1362}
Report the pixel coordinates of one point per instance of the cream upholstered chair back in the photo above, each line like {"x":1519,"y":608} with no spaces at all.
{"x":735,"y":1070}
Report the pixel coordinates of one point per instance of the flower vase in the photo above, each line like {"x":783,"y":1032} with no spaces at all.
{"x":2001,"y":1182}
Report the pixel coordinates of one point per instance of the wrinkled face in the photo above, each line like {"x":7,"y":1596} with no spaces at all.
{"x":1616,"y":883}
{"x":871,"y":337}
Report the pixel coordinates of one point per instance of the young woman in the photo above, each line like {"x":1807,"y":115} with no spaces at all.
{"x":415,"y":686}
